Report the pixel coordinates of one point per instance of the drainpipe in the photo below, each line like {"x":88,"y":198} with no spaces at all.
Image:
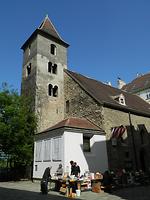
{"x":133,"y":142}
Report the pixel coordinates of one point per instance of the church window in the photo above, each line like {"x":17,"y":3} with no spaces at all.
{"x":67,"y":106}
{"x":86,"y":144}
{"x":28,"y":69}
{"x":53,"y":49}
{"x":50,"y":87}
{"x":52,"y":91}
{"x":54,"y":69}
{"x":55,"y":91}
{"x":50,"y":67}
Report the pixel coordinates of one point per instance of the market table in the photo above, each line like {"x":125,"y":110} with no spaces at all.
{"x":62,"y":185}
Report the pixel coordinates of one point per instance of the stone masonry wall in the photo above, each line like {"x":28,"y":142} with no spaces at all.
{"x":81,"y":104}
{"x":117,"y":155}
{"x":50,"y":109}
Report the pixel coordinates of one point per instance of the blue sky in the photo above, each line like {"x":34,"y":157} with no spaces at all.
{"x":108,"y":38}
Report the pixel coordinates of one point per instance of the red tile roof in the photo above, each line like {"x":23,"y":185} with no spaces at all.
{"x":73,"y":122}
{"x":104,"y":94}
{"x":140,"y":83}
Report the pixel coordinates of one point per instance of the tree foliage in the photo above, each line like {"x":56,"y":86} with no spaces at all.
{"x":17,"y":126}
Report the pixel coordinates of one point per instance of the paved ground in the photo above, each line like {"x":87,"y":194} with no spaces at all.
{"x":26,"y":190}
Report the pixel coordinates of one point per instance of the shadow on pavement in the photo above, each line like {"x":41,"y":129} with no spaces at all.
{"x":134,"y":193}
{"x":15,"y":194}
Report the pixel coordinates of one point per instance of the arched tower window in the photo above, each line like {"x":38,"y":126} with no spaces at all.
{"x":52,"y":91}
{"x":50,"y":67}
{"x":54,"y":71}
{"x":50,"y":88}
{"x":55,"y":91}
{"x":53,"y":49}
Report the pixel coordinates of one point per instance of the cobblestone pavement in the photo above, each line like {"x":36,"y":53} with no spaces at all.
{"x":26,"y":190}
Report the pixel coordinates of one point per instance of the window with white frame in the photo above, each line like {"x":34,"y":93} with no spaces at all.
{"x":47,"y":150}
{"x":38,"y":151}
{"x":57,"y":149}
{"x":148,"y":96}
{"x":122,"y":99}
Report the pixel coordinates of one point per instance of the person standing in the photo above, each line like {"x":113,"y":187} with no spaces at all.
{"x":59,"y":171}
{"x":72,"y":167}
{"x":76,"y":170}
{"x":45,"y":179}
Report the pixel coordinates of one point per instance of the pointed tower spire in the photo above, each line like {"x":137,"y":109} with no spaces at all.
{"x":48,"y":27}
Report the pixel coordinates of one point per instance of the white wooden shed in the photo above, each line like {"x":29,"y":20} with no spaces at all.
{"x":71,"y":139}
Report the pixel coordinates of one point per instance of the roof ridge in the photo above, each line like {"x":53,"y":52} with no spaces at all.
{"x":103,"y":97}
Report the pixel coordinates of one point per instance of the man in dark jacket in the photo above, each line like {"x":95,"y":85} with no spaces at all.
{"x":76,"y":170}
{"x":45,"y":179}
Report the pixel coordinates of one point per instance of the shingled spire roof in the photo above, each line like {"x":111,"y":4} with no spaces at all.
{"x":48,"y":30}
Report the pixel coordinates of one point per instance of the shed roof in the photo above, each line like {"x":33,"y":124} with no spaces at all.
{"x":73,"y":122}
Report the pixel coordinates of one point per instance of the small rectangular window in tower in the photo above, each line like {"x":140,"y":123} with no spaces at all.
{"x":50,"y":87}
{"x":53,"y":49}
{"x":67,"y":106}
{"x":86,"y":144}
{"x":29,"y":69}
{"x":29,"y":50}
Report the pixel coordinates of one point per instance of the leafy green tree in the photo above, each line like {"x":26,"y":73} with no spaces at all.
{"x":17,"y":127}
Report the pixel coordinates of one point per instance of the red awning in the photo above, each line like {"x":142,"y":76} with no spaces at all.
{"x":118,"y":131}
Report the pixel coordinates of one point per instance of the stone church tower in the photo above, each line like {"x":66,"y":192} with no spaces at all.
{"x":44,"y":60}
